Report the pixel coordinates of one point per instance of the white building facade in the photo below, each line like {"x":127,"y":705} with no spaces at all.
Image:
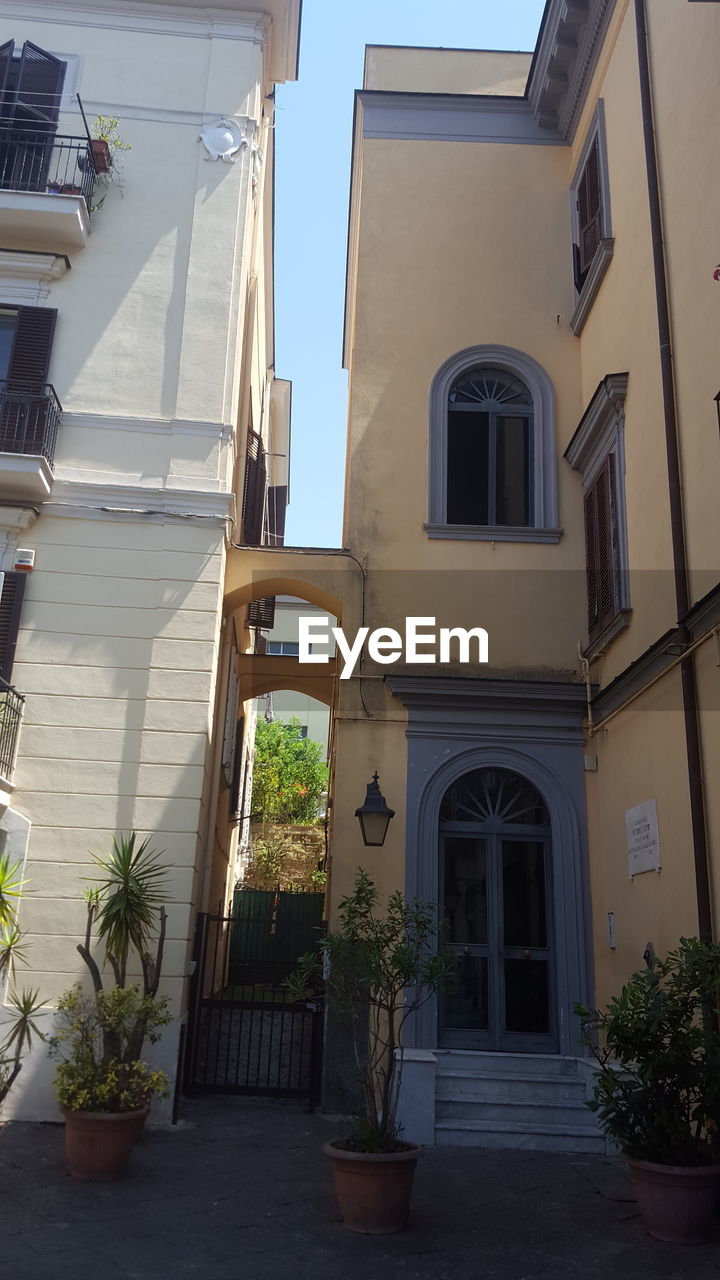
{"x":136,"y":368}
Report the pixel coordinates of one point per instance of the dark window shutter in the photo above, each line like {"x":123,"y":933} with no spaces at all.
{"x":261,"y":613}
{"x":13,"y":590}
{"x":236,"y":785}
{"x":254,"y":490}
{"x":589,"y":209}
{"x":6,"y":57}
{"x":601,"y":548}
{"x":30,"y":359}
{"x":39,"y":87}
{"x":277,"y":507}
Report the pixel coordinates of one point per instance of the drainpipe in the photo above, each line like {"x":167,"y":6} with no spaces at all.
{"x":677,"y":526}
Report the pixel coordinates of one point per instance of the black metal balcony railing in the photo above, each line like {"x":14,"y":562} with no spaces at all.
{"x":29,"y":419}
{"x":36,"y":159}
{"x":11,"y":713}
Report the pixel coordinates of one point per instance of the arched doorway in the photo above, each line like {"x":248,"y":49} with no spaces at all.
{"x":495,"y":900}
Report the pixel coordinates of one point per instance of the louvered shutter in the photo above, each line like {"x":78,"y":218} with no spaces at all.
{"x":261,"y":613}
{"x":231,"y":715}
{"x":23,"y":399}
{"x":13,"y":590}
{"x":589,"y":209}
{"x":30,"y":359}
{"x":235,"y":799}
{"x":39,"y":88}
{"x":6,"y":57}
{"x":601,"y":548}
{"x":254,"y":490}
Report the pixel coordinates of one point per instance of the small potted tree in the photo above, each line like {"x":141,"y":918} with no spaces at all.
{"x":379,"y":967}
{"x":103,"y":1085}
{"x":658,"y":1087}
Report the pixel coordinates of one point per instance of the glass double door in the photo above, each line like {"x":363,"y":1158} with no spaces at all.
{"x":495,"y":905}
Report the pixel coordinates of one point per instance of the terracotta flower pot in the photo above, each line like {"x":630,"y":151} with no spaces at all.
{"x":98,"y":1144}
{"x":101,"y":155}
{"x":373,"y":1190}
{"x":676,"y":1204}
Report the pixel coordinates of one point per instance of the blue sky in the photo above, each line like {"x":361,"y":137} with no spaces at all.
{"x":314,"y":133}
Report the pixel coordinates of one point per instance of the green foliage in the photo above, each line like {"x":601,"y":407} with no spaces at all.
{"x":289,"y":774}
{"x":381,"y":966}
{"x":658,"y":1088}
{"x":11,"y":887}
{"x":128,"y":898}
{"x":21,"y":1026}
{"x":99,"y":1069}
{"x":101,"y":1033}
{"x":106,"y":129}
{"x":20,"y":1030}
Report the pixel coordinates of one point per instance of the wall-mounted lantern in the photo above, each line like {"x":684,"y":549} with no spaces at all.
{"x":374,"y":815}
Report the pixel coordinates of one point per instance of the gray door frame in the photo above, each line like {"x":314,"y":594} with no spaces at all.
{"x":497,"y":1038}
{"x":533,"y":728}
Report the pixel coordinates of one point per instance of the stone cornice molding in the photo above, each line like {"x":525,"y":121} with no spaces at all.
{"x":159,"y":18}
{"x":604,"y":416}
{"x":138,"y":500}
{"x":150,"y":426}
{"x":451,"y":117}
{"x":26,"y":276}
{"x":457,"y":696}
{"x":565,"y":59}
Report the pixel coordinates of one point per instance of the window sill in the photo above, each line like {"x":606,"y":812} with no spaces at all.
{"x":591,"y":287}
{"x":600,"y":643}
{"x":487,"y":533}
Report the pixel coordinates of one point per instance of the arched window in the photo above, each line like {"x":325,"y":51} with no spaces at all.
{"x":492,"y":449}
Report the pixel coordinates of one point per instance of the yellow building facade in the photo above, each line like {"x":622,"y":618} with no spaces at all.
{"x":533,"y":449}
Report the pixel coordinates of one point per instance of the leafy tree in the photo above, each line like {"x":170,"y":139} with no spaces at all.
{"x":289,"y":775}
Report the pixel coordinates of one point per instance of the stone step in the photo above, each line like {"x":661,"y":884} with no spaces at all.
{"x":520,"y":1137}
{"x":514,"y":1088}
{"x":505,"y":1064}
{"x":575,"y":1115}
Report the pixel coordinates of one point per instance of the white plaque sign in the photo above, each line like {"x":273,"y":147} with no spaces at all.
{"x":643,"y":840}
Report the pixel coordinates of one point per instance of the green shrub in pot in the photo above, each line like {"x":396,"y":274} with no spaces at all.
{"x":657,"y":1093}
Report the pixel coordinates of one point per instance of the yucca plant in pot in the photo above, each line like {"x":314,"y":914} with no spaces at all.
{"x":379,"y":965}
{"x":103,"y":1084}
{"x":19,"y":1025}
{"x":657,"y":1093}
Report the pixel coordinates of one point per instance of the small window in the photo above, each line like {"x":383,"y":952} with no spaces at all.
{"x":492,"y":449}
{"x":284,"y":648}
{"x":596,"y":451}
{"x":590,"y":217}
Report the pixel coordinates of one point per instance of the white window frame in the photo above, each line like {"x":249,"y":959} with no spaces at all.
{"x":604,"y":252}
{"x":544,"y":469}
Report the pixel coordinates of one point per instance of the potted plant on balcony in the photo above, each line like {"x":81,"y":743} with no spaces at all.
{"x":103,"y":1085}
{"x":658,"y":1087}
{"x":19,"y":1024}
{"x":380,"y":967}
{"x":107,"y":147}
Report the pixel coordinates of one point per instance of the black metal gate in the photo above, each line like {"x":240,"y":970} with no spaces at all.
{"x":244,"y":1034}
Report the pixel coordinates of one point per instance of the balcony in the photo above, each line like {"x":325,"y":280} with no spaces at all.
{"x":46,"y":186}
{"x":12,"y":705}
{"x":29,"y":421}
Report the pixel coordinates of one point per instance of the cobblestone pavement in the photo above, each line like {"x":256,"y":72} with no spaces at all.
{"x":239,"y":1190}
